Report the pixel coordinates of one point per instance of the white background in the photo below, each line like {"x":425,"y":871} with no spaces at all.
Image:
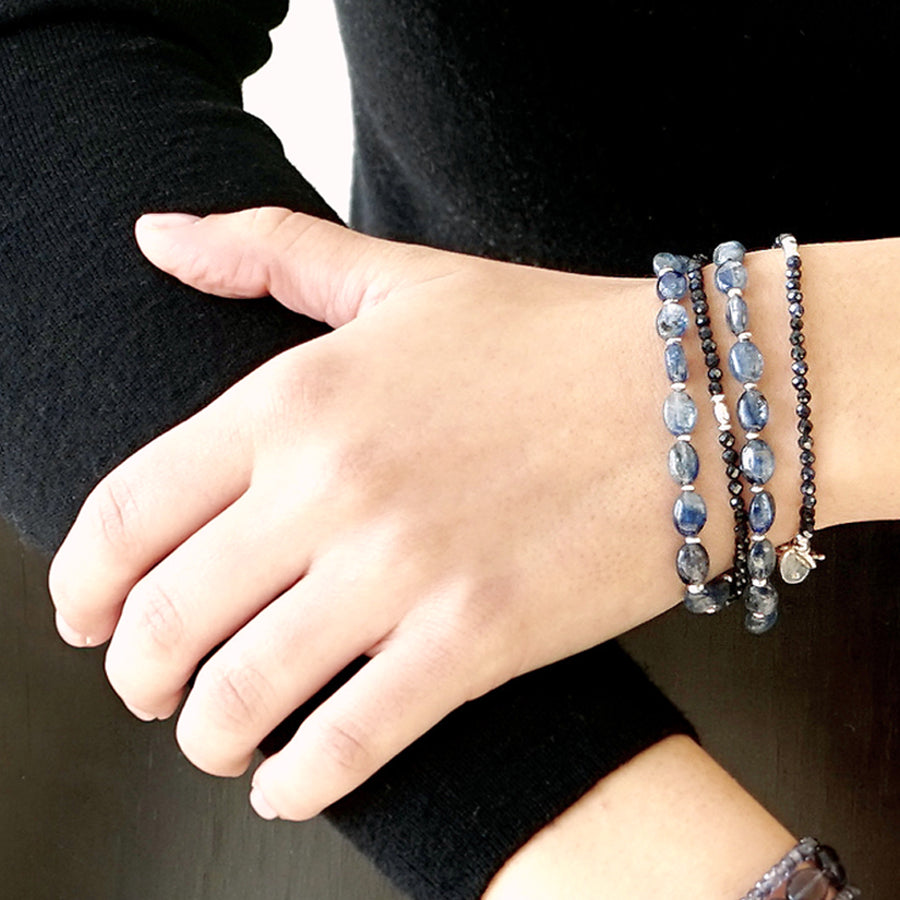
{"x":302,"y":93}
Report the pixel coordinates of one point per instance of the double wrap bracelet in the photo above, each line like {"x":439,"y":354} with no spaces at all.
{"x":751,"y":467}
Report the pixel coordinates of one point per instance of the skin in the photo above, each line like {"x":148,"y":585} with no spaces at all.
{"x":670,"y":823}
{"x":471,"y":527}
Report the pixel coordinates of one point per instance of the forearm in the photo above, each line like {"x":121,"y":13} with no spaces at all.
{"x":669,"y":823}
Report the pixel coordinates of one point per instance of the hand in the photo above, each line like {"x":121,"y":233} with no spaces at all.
{"x":464,"y":482}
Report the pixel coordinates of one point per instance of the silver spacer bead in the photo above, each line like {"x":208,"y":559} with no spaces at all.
{"x":745,"y":336}
{"x":751,"y":435}
{"x":759,"y":582}
{"x":684,"y":437}
{"x":757,"y":488}
{"x":734,"y":292}
{"x":749,"y":385}
{"x":720,"y":411}
{"x":688,"y":487}
{"x":673,"y":340}
{"x":757,"y":537}
{"x":692,"y":540}
{"x":664,"y":271}
{"x":695,"y":588}
{"x":788,"y":243}
{"x":678,"y":385}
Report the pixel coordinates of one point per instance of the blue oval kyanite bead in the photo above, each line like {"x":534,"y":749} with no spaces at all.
{"x":670,"y":261}
{"x":679,"y":413}
{"x":729,"y":250}
{"x":689,"y":513}
{"x":761,"y":559}
{"x":745,"y":361}
{"x":757,"y":461}
{"x":676,"y":363}
{"x":731,"y":274}
{"x":692,"y":563}
{"x":753,"y":410}
{"x":684,"y":464}
{"x":671,"y":286}
{"x":761,"y":512}
{"x":757,"y":624}
{"x":711,"y":599}
{"x":761,"y":599}
{"x":671,"y":321}
{"x":736,"y":314}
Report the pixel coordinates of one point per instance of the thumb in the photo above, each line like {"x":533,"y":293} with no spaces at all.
{"x":311,"y":266}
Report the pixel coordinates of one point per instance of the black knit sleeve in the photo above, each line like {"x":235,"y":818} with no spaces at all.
{"x":111,"y":108}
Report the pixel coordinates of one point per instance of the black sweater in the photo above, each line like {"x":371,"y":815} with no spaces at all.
{"x":480,"y":127}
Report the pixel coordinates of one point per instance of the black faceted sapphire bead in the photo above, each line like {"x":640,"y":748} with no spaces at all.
{"x":807,"y":457}
{"x":726,"y":439}
{"x":798,"y":381}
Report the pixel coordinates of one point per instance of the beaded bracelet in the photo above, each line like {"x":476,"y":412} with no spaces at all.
{"x":823,"y":879}
{"x":757,"y":459}
{"x":797,"y":558}
{"x":739,"y":577}
{"x":680,"y":418}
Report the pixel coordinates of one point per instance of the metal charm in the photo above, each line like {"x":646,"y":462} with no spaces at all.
{"x":797,"y":560}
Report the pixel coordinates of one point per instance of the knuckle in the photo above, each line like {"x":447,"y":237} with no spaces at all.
{"x":346,"y":744}
{"x":233,"y":696}
{"x":156,"y":615}
{"x":114,"y":513}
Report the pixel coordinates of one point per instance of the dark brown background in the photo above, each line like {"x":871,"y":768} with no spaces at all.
{"x":97,"y":806}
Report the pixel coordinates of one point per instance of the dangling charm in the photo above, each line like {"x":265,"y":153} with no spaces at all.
{"x":797,"y":560}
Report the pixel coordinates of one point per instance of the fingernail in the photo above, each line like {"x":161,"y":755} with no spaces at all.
{"x":261,"y":805}
{"x":69,"y":634}
{"x":166,"y":220}
{"x":139,"y":713}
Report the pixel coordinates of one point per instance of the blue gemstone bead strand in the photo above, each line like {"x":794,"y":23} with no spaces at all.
{"x":680,"y":418}
{"x":757,"y":461}
{"x":738,"y":578}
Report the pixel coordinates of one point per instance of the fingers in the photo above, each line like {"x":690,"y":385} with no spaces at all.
{"x":275,"y":664}
{"x":199,"y":595}
{"x":314,"y":267}
{"x":394,"y":699}
{"x":142,"y":510}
